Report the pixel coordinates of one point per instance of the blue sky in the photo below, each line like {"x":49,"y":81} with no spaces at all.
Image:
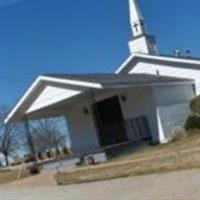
{"x":68,"y":36}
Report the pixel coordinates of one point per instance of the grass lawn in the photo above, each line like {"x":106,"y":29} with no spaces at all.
{"x":9,"y":176}
{"x":182,"y":153}
{"x":184,"y":142}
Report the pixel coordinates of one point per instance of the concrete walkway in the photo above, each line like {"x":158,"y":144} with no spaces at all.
{"x":182,"y":185}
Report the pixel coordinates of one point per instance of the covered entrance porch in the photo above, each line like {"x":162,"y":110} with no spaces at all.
{"x":99,"y":120}
{"x":104,"y":110}
{"x":113,"y":128}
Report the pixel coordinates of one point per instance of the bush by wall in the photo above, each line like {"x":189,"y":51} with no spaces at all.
{"x":193,"y":122}
{"x":195,"y":105}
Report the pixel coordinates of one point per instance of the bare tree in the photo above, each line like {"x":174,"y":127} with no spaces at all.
{"x":46,"y":135}
{"x":9,"y":136}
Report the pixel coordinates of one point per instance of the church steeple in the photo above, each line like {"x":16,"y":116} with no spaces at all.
{"x":136,"y":19}
{"x":142,"y":42}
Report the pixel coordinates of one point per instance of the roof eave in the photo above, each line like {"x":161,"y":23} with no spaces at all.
{"x":124,"y":65}
{"x":42,"y":79}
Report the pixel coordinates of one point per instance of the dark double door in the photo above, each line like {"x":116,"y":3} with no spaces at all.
{"x":110,"y":122}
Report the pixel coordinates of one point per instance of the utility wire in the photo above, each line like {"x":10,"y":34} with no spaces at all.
{"x":9,"y":79}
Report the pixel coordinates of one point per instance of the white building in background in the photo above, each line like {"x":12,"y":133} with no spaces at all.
{"x":147,"y":98}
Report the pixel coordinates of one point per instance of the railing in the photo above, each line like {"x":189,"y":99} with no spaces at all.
{"x":138,"y":128}
{"x":131,"y":129}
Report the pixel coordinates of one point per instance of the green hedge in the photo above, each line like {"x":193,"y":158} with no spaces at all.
{"x":195,"y":105}
{"x":193,"y":122}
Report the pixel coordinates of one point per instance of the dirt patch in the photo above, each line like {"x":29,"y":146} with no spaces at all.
{"x":12,"y":175}
{"x":40,"y":180}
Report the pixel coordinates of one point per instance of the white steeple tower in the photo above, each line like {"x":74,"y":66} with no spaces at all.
{"x":142,"y":42}
{"x":136,"y":19}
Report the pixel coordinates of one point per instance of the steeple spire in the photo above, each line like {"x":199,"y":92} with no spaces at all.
{"x":142,"y":42}
{"x":136,"y":19}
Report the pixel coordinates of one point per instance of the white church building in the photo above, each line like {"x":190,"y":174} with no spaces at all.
{"x":147,"y":98}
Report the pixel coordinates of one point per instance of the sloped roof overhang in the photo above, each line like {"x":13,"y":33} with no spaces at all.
{"x":137,"y":57}
{"x":20,"y":109}
{"x":83,"y":83}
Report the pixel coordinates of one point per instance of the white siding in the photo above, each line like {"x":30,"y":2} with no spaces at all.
{"x":140,"y":102}
{"x":177,"y":94}
{"x":139,"y":45}
{"x":163,"y":106}
{"x":167,"y":70}
{"x":172,"y":119}
{"x":51,"y":95}
{"x":82,"y":130}
{"x":172,"y":104}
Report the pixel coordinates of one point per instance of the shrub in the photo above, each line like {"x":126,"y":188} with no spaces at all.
{"x":193,"y":122}
{"x":34,"y":170}
{"x":195,"y":105}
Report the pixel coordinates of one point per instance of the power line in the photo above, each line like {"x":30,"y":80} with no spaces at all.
{"x":10,"y":79}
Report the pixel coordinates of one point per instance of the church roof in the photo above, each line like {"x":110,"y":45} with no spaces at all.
{"x":91,"y":81}
{"x":172,"y":60}
{"x":119,"y":80}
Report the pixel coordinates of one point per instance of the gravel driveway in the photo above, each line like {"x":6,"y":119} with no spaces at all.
{"x":182,"y":185}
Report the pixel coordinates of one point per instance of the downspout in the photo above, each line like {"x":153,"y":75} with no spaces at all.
{"x":162,"y":139}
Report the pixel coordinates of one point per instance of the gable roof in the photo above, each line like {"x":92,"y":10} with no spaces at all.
{"x":128,"y":64}
{"x":109,"y":81}
{"x":91,"y":81}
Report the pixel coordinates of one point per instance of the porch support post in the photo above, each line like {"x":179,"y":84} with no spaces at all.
{"x":91,"y":97}
{"x":29,"y":137}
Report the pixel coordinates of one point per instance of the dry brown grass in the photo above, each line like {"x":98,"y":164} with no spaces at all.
{"x":11,"y":175}
{"x":185,"y":141}
{"x":182,"y":153}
